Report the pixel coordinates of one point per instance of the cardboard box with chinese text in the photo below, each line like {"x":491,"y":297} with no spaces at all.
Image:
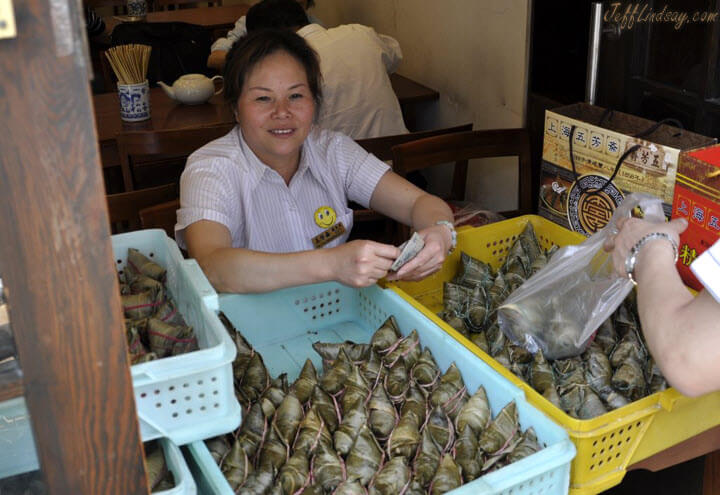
{"x":697,"y":199}
{"x":583,"y":200}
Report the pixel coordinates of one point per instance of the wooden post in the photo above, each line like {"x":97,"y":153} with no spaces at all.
{"x":56,"y":260}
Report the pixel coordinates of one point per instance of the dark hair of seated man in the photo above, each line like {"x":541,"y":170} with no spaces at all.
{"x":276,"y":14}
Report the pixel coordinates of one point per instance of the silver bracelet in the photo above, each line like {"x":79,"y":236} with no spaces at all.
{"x":453,"y":234}
{"x":631,"y":260}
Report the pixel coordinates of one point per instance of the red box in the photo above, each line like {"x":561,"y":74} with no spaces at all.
{"x":697,"y":199}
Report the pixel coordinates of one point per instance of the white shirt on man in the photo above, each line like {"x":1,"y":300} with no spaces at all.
{"x":240,"y":30}
{"x":358,"y":99}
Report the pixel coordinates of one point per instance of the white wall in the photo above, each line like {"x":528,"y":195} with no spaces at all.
{"x":474,"y":52}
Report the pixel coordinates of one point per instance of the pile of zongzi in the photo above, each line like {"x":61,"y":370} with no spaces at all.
{"x":614,"y":370}
{"x":381,"y":419}
{"x":154,"y":328}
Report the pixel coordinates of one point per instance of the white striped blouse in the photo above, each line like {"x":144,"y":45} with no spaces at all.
{"x":224,"y":181}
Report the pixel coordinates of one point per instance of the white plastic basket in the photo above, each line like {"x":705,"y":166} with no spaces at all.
{"x":189,"y":396}
{"x":183,"y":398}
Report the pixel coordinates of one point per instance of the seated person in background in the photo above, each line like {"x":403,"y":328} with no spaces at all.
{"x":221,"y":46}
{"x":358,"y":99}
{"x":95,"y":26}
{"x":681,"y":330}
{"x":252,"y":201}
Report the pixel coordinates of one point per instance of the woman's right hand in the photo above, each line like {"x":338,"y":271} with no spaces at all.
{"x":362,"y":263}
{"x":631,"y":230}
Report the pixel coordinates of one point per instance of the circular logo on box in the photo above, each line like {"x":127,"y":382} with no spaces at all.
{"x":589,"y":210}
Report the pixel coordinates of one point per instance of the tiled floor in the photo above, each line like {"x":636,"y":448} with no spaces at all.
{"x":682,"y":479}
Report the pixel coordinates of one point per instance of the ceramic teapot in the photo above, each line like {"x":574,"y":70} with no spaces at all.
{"x":192,"y":89}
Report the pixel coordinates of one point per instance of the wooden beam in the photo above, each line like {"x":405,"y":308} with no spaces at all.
{"x":56,"y":260}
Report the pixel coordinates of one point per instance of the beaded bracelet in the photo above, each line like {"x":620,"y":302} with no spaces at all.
{"x":453,"y":234}
{"x":633,"y":254}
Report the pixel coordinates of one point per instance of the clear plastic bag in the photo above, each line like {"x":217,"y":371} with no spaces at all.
{"x":559,"y":308}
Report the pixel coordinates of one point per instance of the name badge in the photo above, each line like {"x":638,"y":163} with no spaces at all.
{"x":328,"y":235}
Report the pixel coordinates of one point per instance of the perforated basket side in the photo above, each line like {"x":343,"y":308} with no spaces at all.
{"x":603,"y":456}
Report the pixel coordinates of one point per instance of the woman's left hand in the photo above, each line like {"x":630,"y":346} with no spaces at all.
{"x":438,"y":240}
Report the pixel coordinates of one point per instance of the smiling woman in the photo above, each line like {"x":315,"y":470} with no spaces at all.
{"x":257,"y":203}
{"x":275,"y":112}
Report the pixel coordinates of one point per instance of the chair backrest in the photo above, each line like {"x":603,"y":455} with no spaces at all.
{"x":124,"y":208}
{"x":465,"y":146}
{"x":161,"y":216}
{"x":133,"y":145}
{"x":381,"y":146}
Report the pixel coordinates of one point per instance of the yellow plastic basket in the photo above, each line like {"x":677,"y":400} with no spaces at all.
{"x":608,"y":444}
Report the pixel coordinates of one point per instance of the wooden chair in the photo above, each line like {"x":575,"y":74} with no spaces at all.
{"x":464,"y":146}
{"x":381,"y":147}
{"x":134,"y":146}
{"x":124,"y":208}
{"x":161,"y":216}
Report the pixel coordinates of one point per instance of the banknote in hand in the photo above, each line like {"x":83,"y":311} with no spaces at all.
{"x":408,"y":250}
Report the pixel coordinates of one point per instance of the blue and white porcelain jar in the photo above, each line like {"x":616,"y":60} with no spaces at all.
{"x":137,"y":8}
{"x":134,"y":101}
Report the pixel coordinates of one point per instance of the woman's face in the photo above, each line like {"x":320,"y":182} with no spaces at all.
{"x":276,"y":109}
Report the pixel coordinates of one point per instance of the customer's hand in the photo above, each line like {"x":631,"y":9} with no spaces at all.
{"x":438,"y":240}
{"x":361,"y":263}
{"x":631,"y":230}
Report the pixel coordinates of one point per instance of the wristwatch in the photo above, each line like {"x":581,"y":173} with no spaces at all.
{"x":632,"y":257}
{"x":453,"y":234}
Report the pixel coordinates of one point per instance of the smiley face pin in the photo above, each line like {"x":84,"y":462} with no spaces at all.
{"x":325,"y":217}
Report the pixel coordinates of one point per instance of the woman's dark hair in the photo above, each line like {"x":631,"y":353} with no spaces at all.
{"x":252,"y":49}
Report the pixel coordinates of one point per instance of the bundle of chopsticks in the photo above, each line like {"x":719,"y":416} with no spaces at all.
{"x":129,"y":62}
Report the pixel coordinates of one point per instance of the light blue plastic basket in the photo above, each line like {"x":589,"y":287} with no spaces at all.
{"x":19,"y":454}
{"x":282,"y":326}
{"x":184,"y":398}
{"x":17,"y":445}
{"x":184,"y":482}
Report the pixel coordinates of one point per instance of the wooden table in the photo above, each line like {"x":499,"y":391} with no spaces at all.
{"x":167,"y":114}
{"x":210,"y":17}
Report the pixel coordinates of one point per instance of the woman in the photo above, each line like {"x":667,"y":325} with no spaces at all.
{"x":253,"y":201}
{"x":681,"y":330}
